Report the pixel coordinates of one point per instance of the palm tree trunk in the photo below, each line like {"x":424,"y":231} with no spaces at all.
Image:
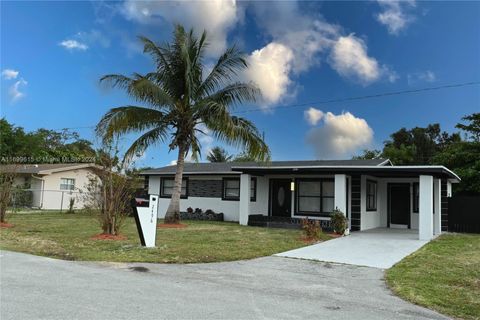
{"x":173,"y":211}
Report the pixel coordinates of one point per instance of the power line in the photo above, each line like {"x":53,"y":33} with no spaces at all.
{"x":378,"y":95}
{"x":356,"y":98}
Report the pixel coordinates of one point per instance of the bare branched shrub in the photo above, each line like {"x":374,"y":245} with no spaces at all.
{"x":7,"y":179}
{"x":109,"y":192}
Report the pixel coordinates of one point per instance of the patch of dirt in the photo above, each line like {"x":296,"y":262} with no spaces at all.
{"x":309,"y":240}
{"x":139,"y":269}
{"x":6,"y":225}
{"x":171,"y":225}
{"x":103,"y":236}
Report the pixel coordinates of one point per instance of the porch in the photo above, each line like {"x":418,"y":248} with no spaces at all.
{"x":412,"y":198}
{"x":378,"y":248}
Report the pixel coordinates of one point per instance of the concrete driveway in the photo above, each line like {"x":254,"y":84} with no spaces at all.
{"x":378,"y":248}
{"x":266,"y":288}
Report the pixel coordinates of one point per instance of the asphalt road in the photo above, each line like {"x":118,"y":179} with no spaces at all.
{"x":267,"y":288}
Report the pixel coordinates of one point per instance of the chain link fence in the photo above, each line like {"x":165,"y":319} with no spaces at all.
{"x":31,"y":199}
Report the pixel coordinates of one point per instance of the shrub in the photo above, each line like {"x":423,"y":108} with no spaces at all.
{"x":209,"y":211}
{"x":339,"y":222}
{"x":198,"y":210}
{"x":6,"y":186}
{"x":311,"y":228}
{"x":190,"y":210}
{"x":21,"y":197}
{"x":109,"y":191}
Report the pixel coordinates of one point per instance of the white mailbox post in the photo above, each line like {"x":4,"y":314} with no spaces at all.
{"x":147,"y":222}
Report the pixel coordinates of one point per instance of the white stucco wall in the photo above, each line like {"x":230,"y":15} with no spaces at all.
{"x":383,"y":198}
{"x":370,"y":219}
{"x":378,"y":218}
{"x":52,"y":195}
{"x":261,"y":205}
{"x":229,"y":208}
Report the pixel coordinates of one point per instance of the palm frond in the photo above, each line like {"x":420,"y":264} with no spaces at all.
{"x":224,"y":71}
{"x":239,"y":132}
{"x":225,"y":99}
{"x":157,"y":54}
{"x":126,"y":119}
{"x":141,"y":88}
{"x":156,"y":135}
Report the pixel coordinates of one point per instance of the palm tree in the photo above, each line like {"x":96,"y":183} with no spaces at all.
{"x":218,"y":154}
{"x":178,"y":98}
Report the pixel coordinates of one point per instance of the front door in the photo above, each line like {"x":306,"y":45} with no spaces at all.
{"x":399,"y":205}
{"x":280,"y":198}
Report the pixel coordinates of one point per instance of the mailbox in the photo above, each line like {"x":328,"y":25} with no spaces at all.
{"x":146,"y":220}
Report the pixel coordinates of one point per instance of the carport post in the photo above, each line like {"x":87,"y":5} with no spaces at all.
{"x":244,"y":205}
{"x":340,"y":200}
{"x":437,"y":205}
{"x":425,"y":219}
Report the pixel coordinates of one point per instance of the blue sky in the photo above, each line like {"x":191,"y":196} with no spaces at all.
{"x":53,"y":54}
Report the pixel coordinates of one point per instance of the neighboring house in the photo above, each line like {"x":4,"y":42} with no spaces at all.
{"x":51,"y":186}
{"x":372,"y":193}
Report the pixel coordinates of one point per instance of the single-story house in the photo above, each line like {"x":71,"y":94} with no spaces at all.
{"x":51,"y":186}
{"x":371,"y":193}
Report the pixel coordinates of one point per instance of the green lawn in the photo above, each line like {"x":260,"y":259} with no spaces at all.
{"x":67,"y":236}
{"x":444,"y":275}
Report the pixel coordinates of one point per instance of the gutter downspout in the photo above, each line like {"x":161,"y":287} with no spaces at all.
{"x":43,"y":189}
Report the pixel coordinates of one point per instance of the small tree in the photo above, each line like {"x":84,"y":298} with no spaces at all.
{"x":218,"y":154}
{"x":109,"y":191}
{"x":7,"y":178}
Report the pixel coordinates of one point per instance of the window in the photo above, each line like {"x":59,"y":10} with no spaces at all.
{"x":166,"y":187}
{"x":145,"y":183}
{"x":416,"y":197}
{"x":231,"y":189}
{"x":371,"y":195}
{"x":315,"y":196}
{"x":253,"y":189}
{"x":67,"y":184}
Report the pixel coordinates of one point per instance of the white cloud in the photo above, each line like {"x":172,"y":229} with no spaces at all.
{"x":205,"y":138}
{"x":216,"y":16}
{"x":313,"y":116}
{"x":9,"y":74}
{"x":295,"y":48}
{"x":83,"y":40}
{"x":424,"y":76}
{"x":15,"y":90}
{"x":306,"y":36}
{"x":340,"y":136}
{"x":92,"y":37}
{"x":310,"y":39}
{"x":395,"y":14}
{"x":269,"y":68}
{"x":350,"y":59}
{"x":71,"y":45}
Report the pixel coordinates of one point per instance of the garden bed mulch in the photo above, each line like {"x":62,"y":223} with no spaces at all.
{"x":6,"y":225}
{"x":103,"y":236}
{"x":335,"y":235}
{"x":171,"y":225}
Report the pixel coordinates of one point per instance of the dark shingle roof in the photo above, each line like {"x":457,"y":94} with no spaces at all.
{"x":226,"y":167}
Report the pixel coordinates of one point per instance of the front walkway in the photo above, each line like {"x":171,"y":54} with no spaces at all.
{"x":378,"y":248}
